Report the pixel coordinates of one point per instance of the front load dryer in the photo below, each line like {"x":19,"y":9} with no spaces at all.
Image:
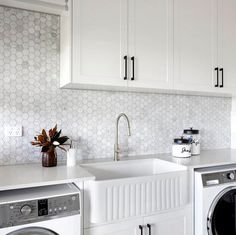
{"x":215,"y":201}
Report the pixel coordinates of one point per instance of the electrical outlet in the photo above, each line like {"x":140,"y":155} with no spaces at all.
{"x":13,"y":131}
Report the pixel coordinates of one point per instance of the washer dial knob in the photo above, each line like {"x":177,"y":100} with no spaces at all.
{"x":26,"y":210}
{"x":231,"y":176}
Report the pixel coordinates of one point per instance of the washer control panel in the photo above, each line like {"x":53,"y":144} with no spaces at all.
{"x":30,"y":211}
{"x":217,"y":178}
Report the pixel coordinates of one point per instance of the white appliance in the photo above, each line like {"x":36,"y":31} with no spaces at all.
{"x":47,"y":210}
{"x":215,"y":201}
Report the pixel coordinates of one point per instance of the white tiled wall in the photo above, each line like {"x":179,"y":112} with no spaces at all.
{"x":30,"y":96}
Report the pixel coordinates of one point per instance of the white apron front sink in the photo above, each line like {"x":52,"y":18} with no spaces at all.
{"x":133,"y":188}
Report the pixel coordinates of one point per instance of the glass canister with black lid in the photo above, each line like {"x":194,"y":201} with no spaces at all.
{"x":181,"y":148}
{"x":194,"y":137}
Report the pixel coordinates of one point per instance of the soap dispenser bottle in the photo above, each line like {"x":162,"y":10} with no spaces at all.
{"x":71,"y":155}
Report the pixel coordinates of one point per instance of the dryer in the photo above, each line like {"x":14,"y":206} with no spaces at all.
{"x":215,"y":201}
{"x":48,"y":210}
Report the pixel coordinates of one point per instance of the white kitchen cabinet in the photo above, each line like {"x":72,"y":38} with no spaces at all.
{"x":100,"y":55}
{"x":48,"y":6}
{"x":150,"y":43}
{"x":195,"y":45}
{"x":173,"y":222}
{"x":99,"y":43}
{"x":227,"y":45}
{"x":172,"y":45}
{"x":177,"y":223}
{"x":40,"y":2}
{"x":130,"y":227}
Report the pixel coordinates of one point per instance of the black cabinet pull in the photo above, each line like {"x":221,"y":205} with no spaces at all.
{"x":141,"y":228}
{"x":222,"y":77}
{"x":126,"y":67}
{"x":132,"y":59}
{"x":217,"y":77}
{"x":149,"y":228}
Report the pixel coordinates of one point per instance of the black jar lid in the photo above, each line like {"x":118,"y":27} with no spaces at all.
{"x":191,"y":131}
{"x":181,"y":140}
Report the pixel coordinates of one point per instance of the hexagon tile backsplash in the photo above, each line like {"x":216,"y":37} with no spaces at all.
{"x":30,"y":96}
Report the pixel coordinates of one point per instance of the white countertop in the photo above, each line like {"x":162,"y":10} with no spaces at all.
{"x":33,"y":175}
{"x":207,"y":158}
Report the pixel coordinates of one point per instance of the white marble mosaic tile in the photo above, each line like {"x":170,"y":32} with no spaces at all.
{"x":30,"y":96}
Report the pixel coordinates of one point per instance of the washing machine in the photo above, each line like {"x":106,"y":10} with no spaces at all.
{"x":215,"y":201}
{"x":48,"y":210}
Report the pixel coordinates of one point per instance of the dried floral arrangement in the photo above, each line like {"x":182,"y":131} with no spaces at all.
{"x":49,"y":141}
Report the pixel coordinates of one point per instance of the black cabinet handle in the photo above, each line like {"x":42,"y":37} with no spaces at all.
{"x":141,"y":228}
{"x":132,"y":59}
{"x":222,"y":77}
{"x":126,"y":67}
{"x":217,"y":77}
{"x":149,"y":228}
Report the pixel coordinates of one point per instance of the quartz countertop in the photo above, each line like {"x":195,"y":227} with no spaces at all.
{"x":207,"y":158}
{"x":33,"y":175}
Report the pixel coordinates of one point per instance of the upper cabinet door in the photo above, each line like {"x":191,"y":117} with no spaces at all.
{"x":99,"y":42}
{"x":47,"y":6}
{"x":150,"y":43}
{"x":227,"y":44}
{"x":195,"y":45}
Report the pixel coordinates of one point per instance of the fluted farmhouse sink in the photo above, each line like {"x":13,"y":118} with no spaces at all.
{"x":132,"y":168}
{"x":133,"y":188}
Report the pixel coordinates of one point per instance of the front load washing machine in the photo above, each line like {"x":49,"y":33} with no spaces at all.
{"x":215,"y":201}
{"x":47,"y":210}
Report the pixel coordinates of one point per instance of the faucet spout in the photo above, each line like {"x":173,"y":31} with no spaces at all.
{"x":116,"y":147}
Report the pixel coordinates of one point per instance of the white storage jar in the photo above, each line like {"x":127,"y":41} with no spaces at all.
{"x":181,"y":148}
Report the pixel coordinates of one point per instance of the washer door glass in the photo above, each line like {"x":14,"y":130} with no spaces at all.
{"x":223,"y":218}
{"x":33,"y":231}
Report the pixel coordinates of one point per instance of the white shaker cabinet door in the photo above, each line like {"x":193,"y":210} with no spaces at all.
{"x":195,"y":45}
{"x":130,"y":227}
{"x":150,"y":43}
{"x":172,"y":223}
{"x":99,"y":42}
{"x":227,"y":44}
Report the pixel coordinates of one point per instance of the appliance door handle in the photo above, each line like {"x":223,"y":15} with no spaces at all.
{"x":141,"y":229}
{"x":132,"y":59}
{"x":149,"y":228}
{"x":222,"y":77}
{"x":126,"y":67}
{"x":217,"y":77}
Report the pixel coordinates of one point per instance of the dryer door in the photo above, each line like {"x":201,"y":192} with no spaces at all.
{"x":33,"y":231}
{"x":222,"y":215}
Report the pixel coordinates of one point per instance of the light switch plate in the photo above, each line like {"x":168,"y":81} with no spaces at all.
{"x":13,"y":131}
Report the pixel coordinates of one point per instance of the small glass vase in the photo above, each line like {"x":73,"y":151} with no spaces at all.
{"x":49,"y":159}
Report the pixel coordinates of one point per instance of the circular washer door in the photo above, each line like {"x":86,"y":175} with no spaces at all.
{"x":222,"y":214}
{"x":33,"y":231}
